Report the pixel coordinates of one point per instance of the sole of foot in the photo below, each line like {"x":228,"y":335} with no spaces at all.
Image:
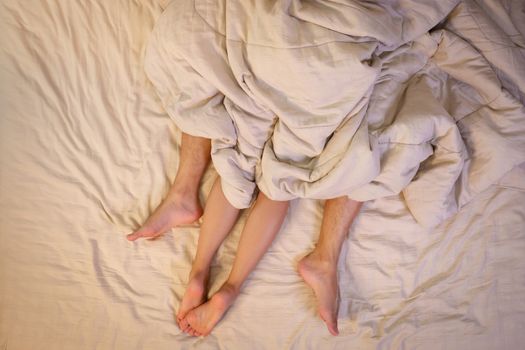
{"x":322,"y":278}
{"x":204,"y":318}
{"x":174,"y":211}
{"x":194,"y":296}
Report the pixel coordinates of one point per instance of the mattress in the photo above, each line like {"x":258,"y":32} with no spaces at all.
{"x":87,"y":151}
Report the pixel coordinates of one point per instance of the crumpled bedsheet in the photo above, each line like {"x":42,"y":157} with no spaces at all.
{"x":323,"y":99}
{"x":87,"y":152}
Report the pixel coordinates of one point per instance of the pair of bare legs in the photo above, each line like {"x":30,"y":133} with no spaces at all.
{"x":197,"y":316}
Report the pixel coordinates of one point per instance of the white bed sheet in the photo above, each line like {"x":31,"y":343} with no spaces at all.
{"x":86,"y":152}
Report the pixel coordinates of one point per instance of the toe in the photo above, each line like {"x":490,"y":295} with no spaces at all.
{"x":190,"y":317}
{"x":187,"y":329}
{"x":133,"y":236}
{"x":331,"y":322}
{"x":140,"y":233}
{"x":182,"y":323}
{"x":180,"y":316}
{"x":332,"y":326}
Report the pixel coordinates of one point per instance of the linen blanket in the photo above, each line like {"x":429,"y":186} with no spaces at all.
{"x":324,"y":98}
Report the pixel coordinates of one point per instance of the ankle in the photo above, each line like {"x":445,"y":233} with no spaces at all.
{"x":199,"y":274}
{"x":323,"y":258}
{"x":182,"y":193}
{"x":229,"y":288}
{"x":225,"y":296}
{"x":184,"y":189}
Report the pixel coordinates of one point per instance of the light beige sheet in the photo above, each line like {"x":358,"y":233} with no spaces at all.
{"x":87,"y":152}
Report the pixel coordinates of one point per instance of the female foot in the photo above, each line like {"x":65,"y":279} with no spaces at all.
{"x":202,"y":319}
{"x":194,"y":296}
{"x":321,"y":276}
{"x":178,"y":208}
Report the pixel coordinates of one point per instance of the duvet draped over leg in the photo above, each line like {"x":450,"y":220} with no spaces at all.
{"x":322,"y":99}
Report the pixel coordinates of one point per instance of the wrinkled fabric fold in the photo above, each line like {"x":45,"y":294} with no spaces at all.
{"x":323,"y":99}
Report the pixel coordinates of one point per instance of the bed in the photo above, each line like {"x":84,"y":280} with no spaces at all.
{"x":87,"y":151}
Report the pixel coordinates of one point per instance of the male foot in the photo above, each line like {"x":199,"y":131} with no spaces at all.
{"x":194,"y":296}
{"x":176,"y":209}
{"x":202,"y":319}
{"x":321,"y":276}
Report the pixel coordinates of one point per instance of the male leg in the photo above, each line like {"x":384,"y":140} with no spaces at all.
{"x":181,"y":205}
{"x":319,"y":268}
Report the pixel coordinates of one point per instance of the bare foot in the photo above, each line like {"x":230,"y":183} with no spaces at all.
{"x":321,"y":276}
{"x":176,"y":209}
{"x":202,"y":319}
{"x":194,"y":296}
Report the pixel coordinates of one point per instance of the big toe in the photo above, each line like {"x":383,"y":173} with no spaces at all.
{"x":134,"y":236}
{"x":332,"y":328}
{"x":183,"y":323}
{"x":331,"y":322}
{"x":141,"y":233}
{"x":193,"y":320}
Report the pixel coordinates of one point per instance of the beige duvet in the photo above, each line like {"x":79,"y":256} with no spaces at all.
{"x":87,"y":151}
{"x":324,"y":99}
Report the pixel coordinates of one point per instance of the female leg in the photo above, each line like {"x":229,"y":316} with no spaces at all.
{"x":262,"y":225}
{"x":218,"y":220}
